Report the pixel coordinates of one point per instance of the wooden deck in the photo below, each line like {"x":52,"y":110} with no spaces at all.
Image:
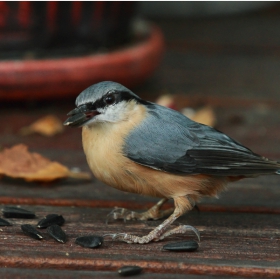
{"x":231,"y":63}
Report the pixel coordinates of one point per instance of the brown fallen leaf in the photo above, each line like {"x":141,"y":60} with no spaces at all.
{"x":47,"y":126}
{"x":18,"y":162}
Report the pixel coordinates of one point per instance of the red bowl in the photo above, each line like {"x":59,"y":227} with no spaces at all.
{"x":50,"y":78}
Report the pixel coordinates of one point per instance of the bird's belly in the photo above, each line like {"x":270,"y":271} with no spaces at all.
{"x":105,"y":158}
{"x":115,"y":172}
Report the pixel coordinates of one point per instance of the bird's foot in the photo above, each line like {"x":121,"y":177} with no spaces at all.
{"x":156,"y":235}
{"x":153,"y":213}
{"x":180,"y":230}
{"x":182,"y":204}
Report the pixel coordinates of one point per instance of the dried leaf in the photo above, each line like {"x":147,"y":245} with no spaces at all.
{"x":188,"y":112}
{"x":188,"y":107}
{"x":17,"y":162}
{"x":166,"y":100}
{"x":205,"y":115}
{"x":47,"y":126}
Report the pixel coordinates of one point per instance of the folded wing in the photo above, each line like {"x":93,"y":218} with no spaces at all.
{"x":168,"y":141}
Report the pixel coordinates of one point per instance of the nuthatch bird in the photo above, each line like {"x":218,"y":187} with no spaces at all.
{"x":140,"y":147}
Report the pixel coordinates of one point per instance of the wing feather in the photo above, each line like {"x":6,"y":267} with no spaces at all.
{"x":167,"y":140}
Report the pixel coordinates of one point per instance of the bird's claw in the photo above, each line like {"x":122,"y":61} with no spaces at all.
{"x":197,"y":233}
{"x":152,"y":236}
{"x":124,"y":214}
{"x":117,"y":236}
{"x":180,"y":230}
{"x":117,"y":213}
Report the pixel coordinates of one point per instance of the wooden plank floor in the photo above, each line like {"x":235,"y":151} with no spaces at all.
{"x":231,"y":63}
{"x":232,"y":244}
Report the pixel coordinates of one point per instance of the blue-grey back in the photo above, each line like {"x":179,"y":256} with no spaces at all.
{"x":171,"y":142}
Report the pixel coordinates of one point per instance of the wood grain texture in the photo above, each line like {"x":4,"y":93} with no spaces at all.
{"x":24,"y":273}
{"x":244,"y":245}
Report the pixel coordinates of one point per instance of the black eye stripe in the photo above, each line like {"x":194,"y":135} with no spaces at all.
{"x":91,"y":106}
{"x":114,"y":97}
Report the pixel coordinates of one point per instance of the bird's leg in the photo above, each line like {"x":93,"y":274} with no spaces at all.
{"x":182,"y":228}
{"x":182,"y":204}
{"x":154,"y":213}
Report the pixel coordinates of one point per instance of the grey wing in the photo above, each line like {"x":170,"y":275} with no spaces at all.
{"x":167,"y":140}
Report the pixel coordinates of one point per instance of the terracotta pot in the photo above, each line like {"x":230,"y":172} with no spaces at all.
{"x":52,"y":78}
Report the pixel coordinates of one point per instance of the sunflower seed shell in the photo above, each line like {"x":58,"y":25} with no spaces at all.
{"x":51,"y":219}
{"x":4,"y":223}
{"x":185,"y":246}
{"x":31,"y":231}
{"x":129,"y":270}
{"x":16,"y":212}
{"x":57,"y":233}
{"x":90,"y":241}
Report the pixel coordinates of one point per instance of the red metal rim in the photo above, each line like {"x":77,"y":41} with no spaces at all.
{"x":51,"y":78}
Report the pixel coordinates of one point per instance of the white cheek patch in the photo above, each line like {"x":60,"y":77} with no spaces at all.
{"x":113,"y":113}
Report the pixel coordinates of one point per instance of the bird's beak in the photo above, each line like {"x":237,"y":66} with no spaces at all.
{"x":79,"y":116}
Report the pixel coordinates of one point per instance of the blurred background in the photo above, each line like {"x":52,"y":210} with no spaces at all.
{"x":218,"y":59}
{"x":56,"y":49}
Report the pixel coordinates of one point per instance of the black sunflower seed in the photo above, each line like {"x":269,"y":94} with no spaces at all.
{"x":31,"y":231}
{"x":4,"y":223}
{"x":185,"y":246}
{"x":16,"y":212}
{"x":90,"y":241}
{"x":129,"y":270}
{"x":51,"y":219}
{"x":57,"y":233}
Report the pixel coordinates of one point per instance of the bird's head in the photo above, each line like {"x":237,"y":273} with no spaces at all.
{"x":103,"y":102}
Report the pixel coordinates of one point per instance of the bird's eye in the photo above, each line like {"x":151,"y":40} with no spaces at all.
{"x":110,"y":99}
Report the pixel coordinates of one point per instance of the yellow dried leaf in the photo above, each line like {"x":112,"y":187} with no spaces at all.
{"x":18,"y":162}
{"x":166,"y":100}
{"x":205,"y":115}
{"x":187,"y":107}
{"x":47,"y":126}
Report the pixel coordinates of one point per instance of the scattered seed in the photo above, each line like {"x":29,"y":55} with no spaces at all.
{"x":15,"y":212}
{"x":57,"y":233}
{"x":31,"y":231}
{"x":90,"y":241}
{"x":4,"y":223}
{"x":185,"y":246}
{"x":51,"y":219}
{"x":129,"y":270}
